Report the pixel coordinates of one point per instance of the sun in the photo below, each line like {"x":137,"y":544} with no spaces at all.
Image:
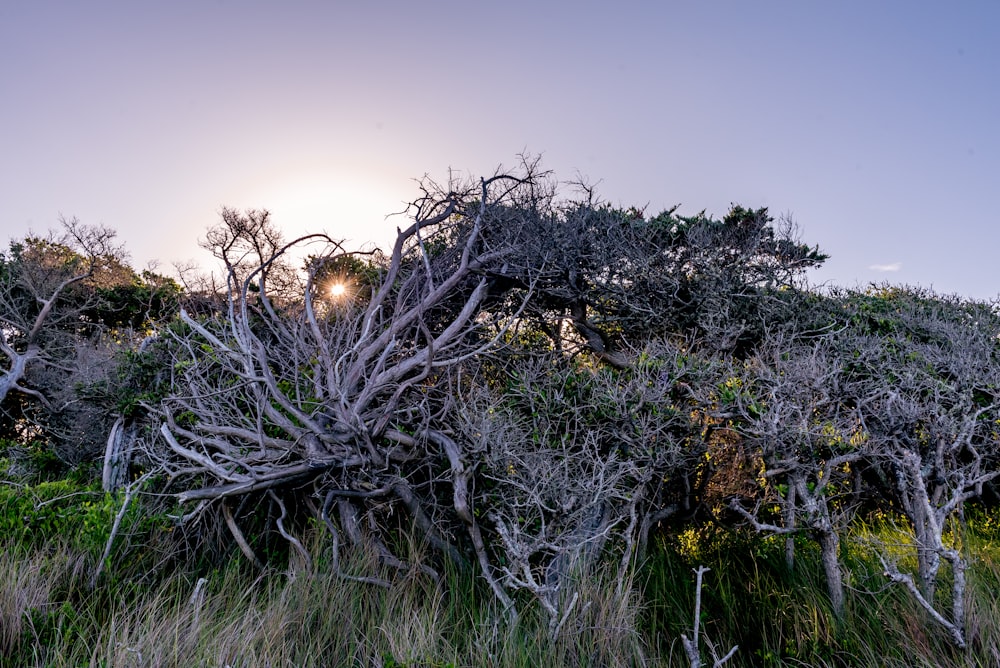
{"x":338,"y":290}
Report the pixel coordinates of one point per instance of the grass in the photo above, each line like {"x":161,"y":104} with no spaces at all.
{"x":239,"y":616}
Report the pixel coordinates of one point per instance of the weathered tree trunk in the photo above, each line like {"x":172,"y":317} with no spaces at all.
{"x":927,"y":531}
{"x":117,"y":455}
{"x":829,"y":544}
{"x":790,"y":521}
{"x":958,"y":566}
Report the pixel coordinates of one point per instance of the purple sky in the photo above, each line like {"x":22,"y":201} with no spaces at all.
{"x":875,"y":124}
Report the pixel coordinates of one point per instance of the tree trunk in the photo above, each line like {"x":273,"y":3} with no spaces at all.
{"x":790,"y":523}
{"x":117,"y":455}
{"x":926,"y":531}
{"x":958,"y":565}
{"x":829,"y":544}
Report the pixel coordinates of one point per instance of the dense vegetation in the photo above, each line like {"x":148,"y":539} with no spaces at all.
{"x":535,"y":430}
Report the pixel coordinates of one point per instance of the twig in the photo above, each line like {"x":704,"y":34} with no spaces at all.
{"x":691,"y":644}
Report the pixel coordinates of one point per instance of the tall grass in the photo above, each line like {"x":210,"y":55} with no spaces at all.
{"x":238,"y":616}
{"x":782,"y":618}
{"x":29,"y":582}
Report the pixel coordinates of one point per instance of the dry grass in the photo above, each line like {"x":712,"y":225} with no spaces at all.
{"x":28,"y":587}
{"x":240,"y":617}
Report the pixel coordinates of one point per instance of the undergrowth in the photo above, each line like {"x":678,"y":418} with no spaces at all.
{"x":150,"y":610}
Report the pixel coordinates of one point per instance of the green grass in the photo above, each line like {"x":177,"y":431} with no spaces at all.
{"x":50,"y":617}
{"x":782,"y":618}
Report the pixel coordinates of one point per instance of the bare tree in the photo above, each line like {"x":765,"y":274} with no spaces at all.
{"x":48,"y":335}
{"x":364,"y":387}
{"x":328,"y":400}
{"x":575,"y":463}
{"x":931,"y":372}
{"x":692,"y":645}
{"x":791,"y":405}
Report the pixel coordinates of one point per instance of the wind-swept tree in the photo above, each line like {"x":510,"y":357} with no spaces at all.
{"x":358,"y":389}
{"x":40,"y":309}
{"x":575,"y":463}
{"x":931,"y":407}
{"x":605,"y":278}
{"x":792,"y":405}
{"x":294,"y":387}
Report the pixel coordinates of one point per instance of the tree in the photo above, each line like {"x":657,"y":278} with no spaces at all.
{"x":615,"y":276}
{"x":930,"y":364}
{"x":794,"y":408}
{"x":505,"y":331}
{"x":69,"y":303}
{"x":48,"y":289}
{"x":882,"y":399}
{"x":574,"y":463}
{"x":290,"y":387}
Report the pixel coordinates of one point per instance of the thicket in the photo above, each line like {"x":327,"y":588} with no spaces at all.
{"x":524,"y":428}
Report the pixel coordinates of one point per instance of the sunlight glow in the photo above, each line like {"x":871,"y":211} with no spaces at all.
{"x":338,"y":290}
{"x":345,"y":206}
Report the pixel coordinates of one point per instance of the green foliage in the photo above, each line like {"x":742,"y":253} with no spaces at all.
{"x":31,"y":515}
{"x":29,"y":463}
{"x":135,"y":305}
{"x":138,"y":378}
{"x":78,"y":514}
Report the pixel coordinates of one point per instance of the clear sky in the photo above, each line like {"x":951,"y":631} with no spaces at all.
{"x":875,"y":124}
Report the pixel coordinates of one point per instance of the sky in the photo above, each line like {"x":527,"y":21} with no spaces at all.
{"x":875,"y":125}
